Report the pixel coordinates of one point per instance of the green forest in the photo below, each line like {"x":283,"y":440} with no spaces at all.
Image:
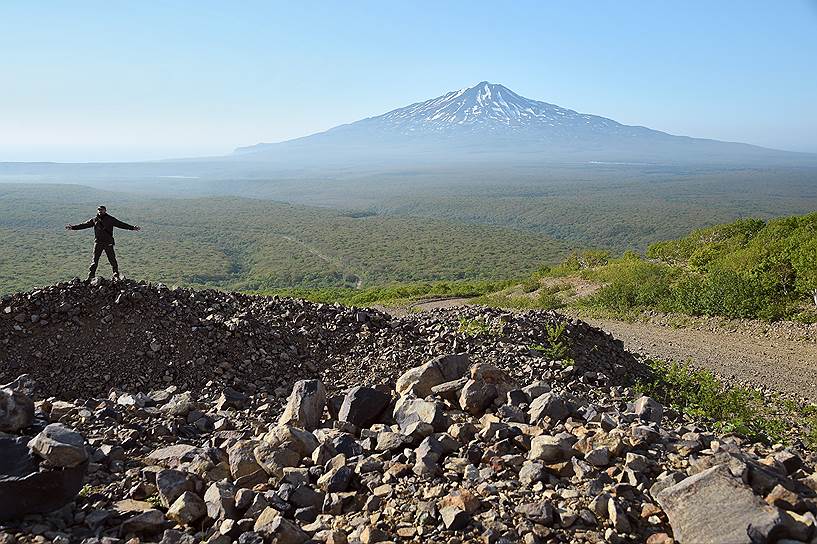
{"x":749,"y":268}
{"x":251,"y":244}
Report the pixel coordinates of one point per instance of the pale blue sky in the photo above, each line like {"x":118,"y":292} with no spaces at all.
{"x":101,"y":80}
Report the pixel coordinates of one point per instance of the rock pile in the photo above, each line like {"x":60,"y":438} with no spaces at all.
{"x":458,"y":452}
{"x":406,"y":430}
{"x":81,"y":340}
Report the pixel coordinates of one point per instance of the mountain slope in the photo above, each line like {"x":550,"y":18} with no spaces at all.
{"x":491,"y":121}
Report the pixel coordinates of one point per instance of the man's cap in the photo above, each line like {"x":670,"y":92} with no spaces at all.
{"x":101,"y":208}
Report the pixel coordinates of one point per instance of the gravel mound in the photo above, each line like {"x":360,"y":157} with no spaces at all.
{"x":81,"y":340}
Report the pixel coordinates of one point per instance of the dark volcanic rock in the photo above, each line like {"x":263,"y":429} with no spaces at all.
{"x":362,"y":406}
{"x":25,"y":489}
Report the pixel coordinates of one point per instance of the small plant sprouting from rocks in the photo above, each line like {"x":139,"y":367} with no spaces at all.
{"x":739,"y":409}
{"x":558,"y":344}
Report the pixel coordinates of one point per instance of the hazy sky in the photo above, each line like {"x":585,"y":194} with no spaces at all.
{"x":85,"y":80}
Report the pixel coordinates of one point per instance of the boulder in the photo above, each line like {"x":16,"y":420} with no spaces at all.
{"x":60,"y":446}
{"x":410,"y":411}
{"x":305,"y":405}
{"x":552,"y":449}
{"x":274,"y":459}
{"x":148,"y":522}
{"x":714,"y":507}
{"x":220,"y":501}
{"x":419,"y":380}
{"x":362,"y":406}
{"x":187,"y":509}
{"x":24,"y":489}
{"x":452,"y":366}
{"x":548,"y":405}
{"x":476,"y":396}
{"x":293,"y":438}
{"x":242,"y":458}
{"x":171,"y":485}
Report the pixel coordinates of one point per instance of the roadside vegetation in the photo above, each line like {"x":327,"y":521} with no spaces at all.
{"x":746,"y":269}
{"x":736,"y":409}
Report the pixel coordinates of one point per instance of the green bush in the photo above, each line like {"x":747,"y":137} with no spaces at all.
{"x":701,"y":395}
{"x":632,"y":284}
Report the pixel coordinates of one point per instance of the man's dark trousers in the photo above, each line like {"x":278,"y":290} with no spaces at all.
{"x":109,"y":252}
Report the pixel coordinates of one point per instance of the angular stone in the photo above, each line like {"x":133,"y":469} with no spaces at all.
{"x":25,"y":489}
{"x":16,"y":409}
{"x":598,"y":457}
{"x":714,"y":507}
{"x":220,"y":501}
{"x":230,"y":398}
{"x":188,"y":508}
{"x":336,"y":480}
{"x":171,"y":485}
{"x":277,"y":530}
{"x":389,"y":441}
{"x":454,"y":518}
{"x":242,"y":458}
{"x":491,"y":374}
{"x":293,"y":438}
{"x":532,"y":472}
{"x":418,"y":381}
{"x":462,"y":499}
{"x":548,"y":405}
{"x":412,"y":411}
{"x":371,"y":535}
{"x":148,"y":522}
{"x":476,"y":396}
{"x":274,"y":459}
{"x":305,"y":405}
{"x":362,"y":406}
{"x":59,"y":446}
{"x":648,"y":409}
{"x":180,"y":405}
{"x":538,"y":512}
{"x":452,"y":366}
{"x":552,"y":448}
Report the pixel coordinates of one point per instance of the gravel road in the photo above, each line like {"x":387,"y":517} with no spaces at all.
{"x":783,"y":365}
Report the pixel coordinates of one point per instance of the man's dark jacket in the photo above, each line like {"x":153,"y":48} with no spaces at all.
{"x":103,"y":228}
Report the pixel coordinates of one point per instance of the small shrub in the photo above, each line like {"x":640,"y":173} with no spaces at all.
{"x":558,"y":344}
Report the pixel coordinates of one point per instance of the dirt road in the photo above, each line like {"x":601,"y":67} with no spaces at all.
{"x":788,"y":366}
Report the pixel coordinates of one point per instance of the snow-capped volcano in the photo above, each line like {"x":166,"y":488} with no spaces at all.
{"x":485,"y":106}
{"x":490,"y":122}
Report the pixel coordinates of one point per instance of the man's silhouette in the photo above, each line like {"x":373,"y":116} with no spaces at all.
{"x":103,"y":225}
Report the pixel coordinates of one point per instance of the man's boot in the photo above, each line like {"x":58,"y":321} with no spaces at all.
{"x":90,"y":277}
{"x":115,"y":276}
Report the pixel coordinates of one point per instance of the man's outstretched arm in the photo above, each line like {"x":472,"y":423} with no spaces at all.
{"x":122,"y":225}
{"x":87,"y":225}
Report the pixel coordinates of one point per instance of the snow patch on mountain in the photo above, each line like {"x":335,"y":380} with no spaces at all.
{"x":486,"y":106}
